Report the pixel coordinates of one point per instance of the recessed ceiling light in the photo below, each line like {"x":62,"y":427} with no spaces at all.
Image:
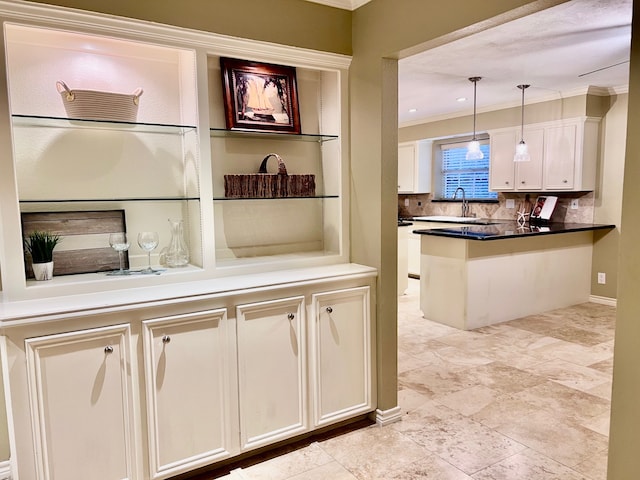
{"x":413,"y":110}
{"x":461,"y":99}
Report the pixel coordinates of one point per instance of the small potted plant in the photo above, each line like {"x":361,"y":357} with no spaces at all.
{"x":40,"y":245}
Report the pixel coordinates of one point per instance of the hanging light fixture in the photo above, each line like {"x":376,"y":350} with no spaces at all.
{"x":473,"y":149}
{"x":522,"y":150}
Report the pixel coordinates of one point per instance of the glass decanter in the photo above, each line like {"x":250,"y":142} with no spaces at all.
{"x":177,"y":253}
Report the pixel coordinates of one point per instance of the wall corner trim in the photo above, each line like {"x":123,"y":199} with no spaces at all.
{"x":386,"y":417}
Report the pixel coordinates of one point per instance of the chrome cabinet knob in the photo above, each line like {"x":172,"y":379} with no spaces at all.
{"x":166,"y":339}
{"x":108,"y":349}
{"x":291,"y":316}
{"x":329,"y":310}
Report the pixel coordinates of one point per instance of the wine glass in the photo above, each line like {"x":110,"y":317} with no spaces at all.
{"x":148,"y":241}
{"x":120,"y":243}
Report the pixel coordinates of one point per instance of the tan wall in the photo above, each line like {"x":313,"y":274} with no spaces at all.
{"x":608,"y":199}
{"x":624,"y":437}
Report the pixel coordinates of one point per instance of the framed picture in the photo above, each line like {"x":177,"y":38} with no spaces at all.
{"x":543,"y":208}
{"x":260,"y":96}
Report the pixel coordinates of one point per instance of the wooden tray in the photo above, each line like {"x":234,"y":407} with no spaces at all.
{"x":82,"y":232}
{"x":269,"y":185}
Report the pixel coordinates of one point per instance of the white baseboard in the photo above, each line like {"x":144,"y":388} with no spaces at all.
{"x":385,"y":417}
{"x":5,"y":470}
{"x":612,"y":302}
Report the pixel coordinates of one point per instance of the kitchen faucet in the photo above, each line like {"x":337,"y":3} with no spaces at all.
{"x":465,"y":204}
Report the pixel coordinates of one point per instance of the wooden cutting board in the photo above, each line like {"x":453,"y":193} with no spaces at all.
{"x":85,"y":239}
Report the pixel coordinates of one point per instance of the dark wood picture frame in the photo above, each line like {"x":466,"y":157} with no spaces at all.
{"x":260,"y":96}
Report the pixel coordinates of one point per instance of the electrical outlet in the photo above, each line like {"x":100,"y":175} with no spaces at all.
{"x":602,"y":278}
{"x":406,"y":202}
{"x":510,"y":203}
{"x":574,"y":204}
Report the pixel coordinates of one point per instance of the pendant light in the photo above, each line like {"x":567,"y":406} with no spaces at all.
{"x":473,"y":149}
{"x":522,"y":150}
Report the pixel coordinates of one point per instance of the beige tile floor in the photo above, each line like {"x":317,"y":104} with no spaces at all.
{"x":523,"y":400}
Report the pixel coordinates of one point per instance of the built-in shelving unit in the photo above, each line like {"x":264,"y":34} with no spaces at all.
{"x":170,"y":160}
{"x":268,"y":278}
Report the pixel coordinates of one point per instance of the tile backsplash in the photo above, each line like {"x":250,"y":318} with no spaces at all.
{"x":422,"y":205}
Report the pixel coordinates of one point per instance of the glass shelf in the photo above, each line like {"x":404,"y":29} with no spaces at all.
{"x":303,"y":137}
{"x":217,"y":199}
{"x":63,"y":122}
{"x":123,"y":199}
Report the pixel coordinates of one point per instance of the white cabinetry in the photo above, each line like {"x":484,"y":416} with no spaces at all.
{"x":572,"y":150}
{"x":563,"y":157}
{"x":403,"y":260}
{"x":502,"y":172}
{"x":187,"y":371}
{"x":213,"y":378}
{"x":414,"y":167}
{"x":507,"y":175}
{"x":272,"y":371}
{"x":413,"y":250}
{"x":82,"y":404}
{"x":342,"y":355}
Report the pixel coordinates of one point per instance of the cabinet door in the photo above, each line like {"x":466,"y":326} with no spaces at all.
{"x":559,"y":157}
{"x":501,"y":166}
{"x":271,"y":371}
{"x":342,"y":361}
{"x":529,"y":174}
{"x":81,"y":403}
{"x":187,"y":365}
{"x":407,"y":157}
{"x":413,"y":252}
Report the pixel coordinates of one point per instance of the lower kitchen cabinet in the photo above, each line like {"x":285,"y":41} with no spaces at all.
{"x":80,"y":392}
{"x":153,"y":390}
{"x":272,"y":366}
{"x":187,"y":367}
{"x":341,"y":344}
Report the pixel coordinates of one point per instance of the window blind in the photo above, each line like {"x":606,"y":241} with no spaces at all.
{"x":472,"y":175}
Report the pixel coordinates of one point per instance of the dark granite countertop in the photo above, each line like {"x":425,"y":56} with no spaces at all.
{"x":510,"y":229}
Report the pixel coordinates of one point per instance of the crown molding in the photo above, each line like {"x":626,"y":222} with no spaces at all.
{"x":344,"y":4}
{"x":591,"y":90}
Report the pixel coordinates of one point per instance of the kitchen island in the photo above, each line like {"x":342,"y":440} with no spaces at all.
{"x":477,"y":275}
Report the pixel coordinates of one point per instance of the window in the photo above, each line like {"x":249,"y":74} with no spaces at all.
{"x":472,"y":175}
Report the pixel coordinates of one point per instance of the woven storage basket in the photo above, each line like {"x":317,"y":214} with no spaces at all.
{"x":96,"y":105}
{"x":269,"y":185}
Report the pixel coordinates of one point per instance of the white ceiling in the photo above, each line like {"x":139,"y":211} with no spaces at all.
{"x":548,"y":50}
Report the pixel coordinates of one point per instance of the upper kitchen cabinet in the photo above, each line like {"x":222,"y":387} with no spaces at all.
{"x":563,"y":157}
{"x":414,"y":167}
{"x":570,"y":153}
{"x":507,"y":175}
{"x":254,"y":228}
